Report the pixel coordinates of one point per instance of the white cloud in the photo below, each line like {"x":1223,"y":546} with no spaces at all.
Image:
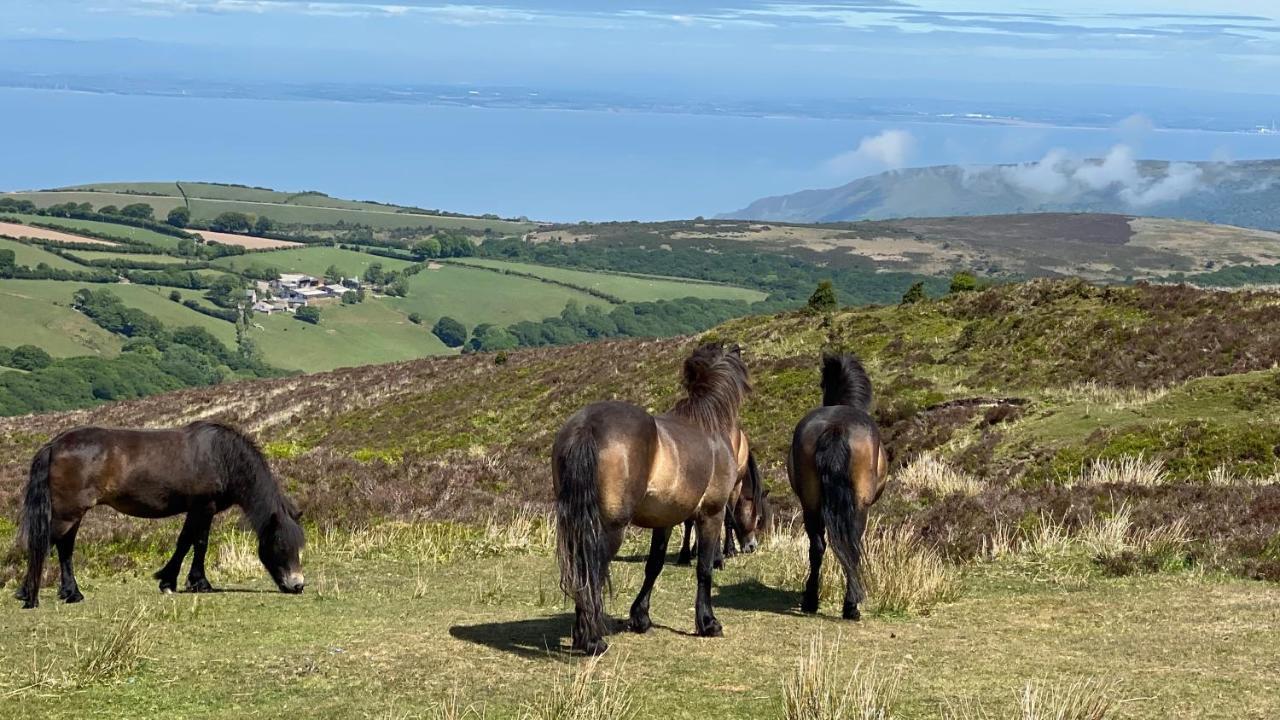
{"x":1059,"y":176}
{"x":890,"y":150}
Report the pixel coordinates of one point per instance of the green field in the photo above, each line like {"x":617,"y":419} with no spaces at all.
{"x":312,"y":260}
{"x":207,"y":200}
{"x":137,"y":257}
{"x":347,"y":336}
{"x":127,"y":232}
{"x":475,"y":296}
{"x":628,"y":287}
{"x":148,"y":298}
{"x":33,"y":255}
{"x":59,"y":330}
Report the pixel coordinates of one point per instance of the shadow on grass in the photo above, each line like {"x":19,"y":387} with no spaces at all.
{"x":755,"y":595}
{"x":534,"y":638}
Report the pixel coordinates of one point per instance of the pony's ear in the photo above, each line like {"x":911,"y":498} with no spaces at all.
{"x":292,"y":508}
{"x":736,"y":350}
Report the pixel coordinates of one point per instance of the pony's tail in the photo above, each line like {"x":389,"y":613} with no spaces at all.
{"x":37,"y":515}
{"x":580,"y":541}
{"x":840,"y":513}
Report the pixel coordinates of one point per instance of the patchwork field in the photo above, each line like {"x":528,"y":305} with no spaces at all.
{"x":312,"y":260}
{"x":53,"y":327}
{"x":127,"y":232}
{"x":630,"y":288}
{"x":473,"y":296}
{"x":18,"y":230}
{"x":348,"y":335}
{"x":32,"y":256}
{"x":245,"y":241}
{"x":136,"y":257}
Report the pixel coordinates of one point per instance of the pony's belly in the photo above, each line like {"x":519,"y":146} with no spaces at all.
{"x":658,"y":509}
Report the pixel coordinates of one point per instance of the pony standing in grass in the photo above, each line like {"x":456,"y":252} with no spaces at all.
{"x":201,"y":470}
{"x":838,"y":469}
{"x":748,"y":510}
{"x":613,"y":465}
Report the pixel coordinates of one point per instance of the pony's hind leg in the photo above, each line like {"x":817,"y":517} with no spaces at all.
{"x":686,"y":553}
{"x":590,"y":624}
{"x":815,"y":528}
{"x":69,"y":589}
{"x":708,"y":548}
{"x":196,"y":580}
{"x":168,"y":575}
{"x":640,"y":621}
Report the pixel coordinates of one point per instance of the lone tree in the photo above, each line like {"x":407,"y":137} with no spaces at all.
{"x":142,"y":211}
{"x":263,"y":225}
{"x":914,"y":294}
{"x":179,"y":217}
{"x":963,"y":282}
{"x":308,"y":314}
{"x":451,"y":332}
{"x":824,"y":298}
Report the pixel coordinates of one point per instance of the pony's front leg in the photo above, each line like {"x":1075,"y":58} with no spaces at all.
{"x":708,"y":548}
{"x":168,"y":575}
{"x":196,"y":581}
{"x":640,"y":621}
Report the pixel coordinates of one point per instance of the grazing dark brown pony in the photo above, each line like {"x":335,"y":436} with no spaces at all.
{"x":201,"y":470}
{"x":748,"y":508}
{"x":837,"y":468}
{"x":614,"y":464}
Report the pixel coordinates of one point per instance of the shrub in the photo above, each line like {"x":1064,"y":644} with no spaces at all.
{"x":963,"y":282}
{"x":914,"y":294}
{"x":415,"y":318}
{"x":175,"y":296}
{"x":29,"y":357}
{"x":179,"y":217}
{"x":308,"y":314}
{"x":823,"y":298}
{"x":451,"y":332}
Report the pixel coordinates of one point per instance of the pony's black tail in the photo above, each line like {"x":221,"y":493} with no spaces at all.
{"x":37,"y":515}
{"x":581,"y":545}
{"x":844,"y":521}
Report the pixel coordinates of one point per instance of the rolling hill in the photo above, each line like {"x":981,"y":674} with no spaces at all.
{"x":1246,"y":194}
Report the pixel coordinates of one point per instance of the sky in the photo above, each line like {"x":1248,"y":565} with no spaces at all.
{"x":662,"y":48}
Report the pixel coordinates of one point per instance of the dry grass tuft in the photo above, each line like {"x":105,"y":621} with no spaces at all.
{"x":929,"y":473}
{"x":453,"y":708}
{"x":586,"y":693}
{"x":1051,"y":549}
{"x":117,"y":653}
{"x":1107,"y":396}
{"x":237,"y":558}
{"x":1081,"y":700}
{"x":1136,"y":470}
{"x":818,"y":690}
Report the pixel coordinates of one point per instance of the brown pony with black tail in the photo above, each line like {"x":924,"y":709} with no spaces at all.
{"x":838,"y":469}
{"x":200,"y":469}
{"x":613,"y":465}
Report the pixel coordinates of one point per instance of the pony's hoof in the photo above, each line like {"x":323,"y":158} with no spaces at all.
{"x":808,"y":607}
{"x":718,"y":564}
{"x":168,"y":588}
{"x":30,"y":604}
{"x":683,"y":559}
{"x":74,"y":596}
{"x":711,"y":628}
{"x":199,"y":586}
{"x":640,"y":625}
{"x":851,"y":612}
{"x":594,"y":647}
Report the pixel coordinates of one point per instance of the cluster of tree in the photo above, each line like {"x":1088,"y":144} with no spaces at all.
{"x":10,"y":270}
{"x":238,"y":222}
{"x":141,"y":211}
{"x":575,"y":324}
{"x":139,"y":216}
{"x":390,"y":281}
{"x":308,"y":314}
{"x":451,"y":332}
{"x":170,"y":277}
{"x":25,"y":357}
{"x":155,"y":359}
{"x":444,"y":245}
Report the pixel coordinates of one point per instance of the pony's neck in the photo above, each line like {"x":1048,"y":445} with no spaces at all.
{"x":260,"y":499}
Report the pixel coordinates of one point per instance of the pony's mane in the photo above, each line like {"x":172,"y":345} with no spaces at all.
{"x":715,"y":382}
{"x":845,"y":381}
{"x":245,"y":470}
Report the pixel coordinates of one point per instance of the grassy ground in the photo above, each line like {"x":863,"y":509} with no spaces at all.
{"x":313,"y":261}
{"x":152,"y":299}
{"x":59,"y":330}
{"x":476,"y":296}
{"x":149,"y":237}
{"x":136,"y":257}
{"x":627,"y":287}
{"x":31,"y":256}
{"x":391,"y":631}
{"x":347,"y":336}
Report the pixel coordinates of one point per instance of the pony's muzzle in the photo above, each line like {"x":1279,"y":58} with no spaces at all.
{"x":292,"y":584}
{"x":750,"y":546}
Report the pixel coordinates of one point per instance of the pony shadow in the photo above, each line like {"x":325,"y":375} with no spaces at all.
{"x":221,"y":590}
{"x":756,"y":596}
{"x":536,"y":638}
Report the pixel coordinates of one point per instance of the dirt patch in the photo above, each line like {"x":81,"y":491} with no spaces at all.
{"x":15,"y":230}
{"x":245,"y":241}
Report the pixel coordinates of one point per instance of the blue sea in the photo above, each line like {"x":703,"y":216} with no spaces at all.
{"x":544,"y":164}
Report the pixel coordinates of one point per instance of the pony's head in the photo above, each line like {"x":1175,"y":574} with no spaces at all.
{"x":715,"y":382}
{"x":751,"y":510}
{"x":280,"y":544}
{"x":845,"y":381}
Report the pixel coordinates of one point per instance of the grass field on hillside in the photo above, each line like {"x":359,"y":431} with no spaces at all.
{"x":312,"y":260}
{"x":476,"y":296}
{"x":44,"y":198}
{"x":56,"y":328}
{"x":347,"y":336}
{"x":400,"y":621}
{"x":32,"y":255}
{"x":136,"y":257}
{"x":127,"y":232}
{"x":628,"y":287}
{"x":152,"y":299}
